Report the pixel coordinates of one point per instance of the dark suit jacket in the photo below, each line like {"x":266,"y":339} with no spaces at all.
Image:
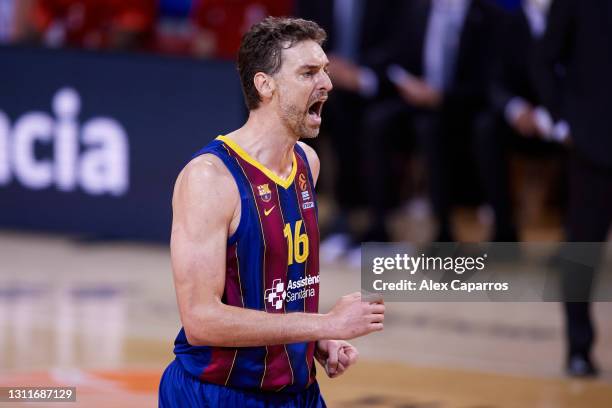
{"x":513,"y":74}
{"x":377,"y":25}
{"x":574,"y":73}
{"x":468,"y":90}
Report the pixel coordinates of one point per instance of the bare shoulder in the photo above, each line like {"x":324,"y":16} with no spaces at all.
{"x":310,"y":152}
{"x":205,"y":182}
{"x":313,"y":160}
{"x":203,"y":172}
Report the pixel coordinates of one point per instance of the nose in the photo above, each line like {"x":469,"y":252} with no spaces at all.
{"x":326,"y":83}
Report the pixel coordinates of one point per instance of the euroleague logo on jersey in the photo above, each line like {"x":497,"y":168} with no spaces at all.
{"x":307,"y":202}
{"x":302,"y":182}
{"x":296,"y":290}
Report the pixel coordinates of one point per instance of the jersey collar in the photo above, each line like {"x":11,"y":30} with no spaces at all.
{"x":285,"y":183}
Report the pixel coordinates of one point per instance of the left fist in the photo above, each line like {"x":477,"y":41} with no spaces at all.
{"x":336,"y":356}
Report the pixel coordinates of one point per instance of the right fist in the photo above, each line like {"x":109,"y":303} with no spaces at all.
{"x":351,"y":317}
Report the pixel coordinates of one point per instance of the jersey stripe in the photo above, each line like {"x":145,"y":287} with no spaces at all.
{"x":296,"y":271}
{"x":251,"y":360}
{"x":233,"y":265}
{"x":312,"y":267}
{"x":277,"y":371}
{"x":282,"y":207}
{"x":223,"y":359}
{"x":233,"y":288}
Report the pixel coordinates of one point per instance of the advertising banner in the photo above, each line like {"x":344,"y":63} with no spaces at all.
{"x":91,"y":143}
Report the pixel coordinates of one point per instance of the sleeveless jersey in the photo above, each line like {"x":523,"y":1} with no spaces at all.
{"x":272,"y":265}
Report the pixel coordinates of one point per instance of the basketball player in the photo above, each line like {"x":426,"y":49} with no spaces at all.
{"x":245,"y":243}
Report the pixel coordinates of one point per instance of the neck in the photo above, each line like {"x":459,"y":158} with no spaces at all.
{"x":267,"y":140}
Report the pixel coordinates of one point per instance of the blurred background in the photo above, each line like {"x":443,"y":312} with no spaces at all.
{"x":451,"y":120}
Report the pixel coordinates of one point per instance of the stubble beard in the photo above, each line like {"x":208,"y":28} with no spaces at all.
{"x":295,"y":119}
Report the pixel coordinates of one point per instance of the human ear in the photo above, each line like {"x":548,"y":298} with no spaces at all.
{"x":264,"y":84}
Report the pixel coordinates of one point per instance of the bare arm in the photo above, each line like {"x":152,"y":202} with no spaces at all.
{"x":204,"y":205}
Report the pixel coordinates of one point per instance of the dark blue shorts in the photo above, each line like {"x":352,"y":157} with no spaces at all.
{"x":178,"y":388}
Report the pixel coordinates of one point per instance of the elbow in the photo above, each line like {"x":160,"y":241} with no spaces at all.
{"x":195,"y":337}
{"x":203,"y":335}
{"x":203,"y":330}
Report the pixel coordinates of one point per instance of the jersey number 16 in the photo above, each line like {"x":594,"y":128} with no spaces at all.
{"x":297,"y":243}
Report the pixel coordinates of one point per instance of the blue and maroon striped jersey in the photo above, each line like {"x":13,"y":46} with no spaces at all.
{"x":272,"y":265}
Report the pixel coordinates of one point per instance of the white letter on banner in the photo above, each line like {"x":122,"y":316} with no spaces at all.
{"x":105,"y":165}
{"x":29,"y":128}
{"x":66,"y":106}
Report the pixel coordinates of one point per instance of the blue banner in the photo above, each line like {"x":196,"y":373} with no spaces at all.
{"x":91,"y":143}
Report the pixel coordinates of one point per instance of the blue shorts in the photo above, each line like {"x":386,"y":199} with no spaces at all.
{"x":178,"y":388}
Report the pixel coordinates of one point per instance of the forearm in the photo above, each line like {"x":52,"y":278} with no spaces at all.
{"x":228,"y":326}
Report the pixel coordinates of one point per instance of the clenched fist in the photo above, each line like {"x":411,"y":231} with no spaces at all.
{"x":351,"y":317}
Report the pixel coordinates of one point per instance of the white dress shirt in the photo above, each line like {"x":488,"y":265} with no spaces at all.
{"x":442,"y":41}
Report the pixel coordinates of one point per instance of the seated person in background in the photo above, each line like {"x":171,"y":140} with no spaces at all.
{"x":14,"y":20}
{"x":513,"y":93}
{"x":175,"y":29}
{"x":220,"y":24}
{"x":515,"y":120}
{"x":436,"y":83}
{"x":97,"y":24}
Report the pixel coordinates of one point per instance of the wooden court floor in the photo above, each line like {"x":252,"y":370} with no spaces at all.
{"x":369,"y":384}
{"x":102,"y":317}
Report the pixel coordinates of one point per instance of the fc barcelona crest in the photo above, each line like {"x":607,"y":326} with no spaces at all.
{"x":264,"y":192}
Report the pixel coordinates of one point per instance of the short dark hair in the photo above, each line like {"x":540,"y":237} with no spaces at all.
{"x":261,"y":47}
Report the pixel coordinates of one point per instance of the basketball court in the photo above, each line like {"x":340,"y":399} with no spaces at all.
{"x":102,"y":316}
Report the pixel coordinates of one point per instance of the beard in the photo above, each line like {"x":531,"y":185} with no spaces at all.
{"x":295,"y":118}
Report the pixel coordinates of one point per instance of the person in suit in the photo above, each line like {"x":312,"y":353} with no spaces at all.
{"x":574,"y":62}
{"x":513,"y":121}
{"x":357,"y":32}
{"x":513,"y":91}
{"x":434,"y":83}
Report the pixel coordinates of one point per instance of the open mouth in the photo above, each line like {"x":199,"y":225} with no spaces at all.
{"x":314,"y":111}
